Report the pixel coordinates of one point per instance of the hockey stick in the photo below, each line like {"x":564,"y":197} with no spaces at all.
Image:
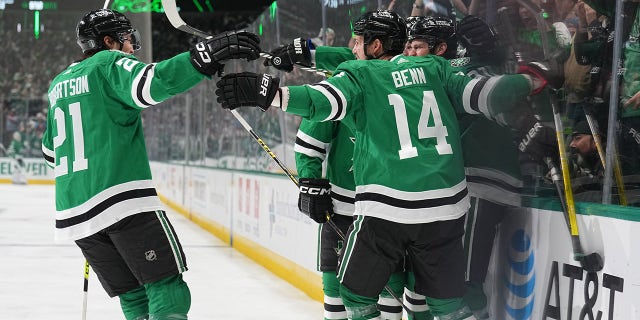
{"x":595,"y":132}
{"x":171,"y":11}
{"x":85,"y":290}
{"x":85,"y":286}
{"x":593,"y":261}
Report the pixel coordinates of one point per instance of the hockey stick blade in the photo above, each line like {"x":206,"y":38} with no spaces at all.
{"x":171,"y":11}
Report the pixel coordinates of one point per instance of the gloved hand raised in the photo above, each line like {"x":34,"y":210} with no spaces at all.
{"x":209,"y":55}
{"x":315,"y":199}
{"x":476,"y":36}
{"x":286,"y":56}
{"x":247,"y":89}
{"x":544,"y":74}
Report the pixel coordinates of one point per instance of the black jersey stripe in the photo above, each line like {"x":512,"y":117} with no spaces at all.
{"x":141,"y":83}
{"x":493,"y":182}
{"x":308,"y":145}
{"x":475,"y":94}
{"x":412,"y":204}
{"x":335,"y":94}
{"x":47,"y":158}
{"x":104,"y":205}
{"x":342,"y":198}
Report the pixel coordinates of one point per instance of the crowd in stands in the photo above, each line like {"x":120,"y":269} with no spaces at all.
{"x":576,"y":28}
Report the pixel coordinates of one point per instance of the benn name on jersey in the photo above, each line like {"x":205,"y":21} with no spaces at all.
{"x":408,"y":77}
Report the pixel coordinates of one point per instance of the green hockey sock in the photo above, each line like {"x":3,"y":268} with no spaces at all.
{"x":169,"y":298}
{"x":445,"y":307}
{"x":359,"y":307}
{"x":135,"y":304}
{"x":475,"y":297}
{"x":333,"y":306}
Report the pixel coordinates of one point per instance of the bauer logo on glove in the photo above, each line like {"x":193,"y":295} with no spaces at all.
{"x":247,"y":89}
{"x":297,"y":52}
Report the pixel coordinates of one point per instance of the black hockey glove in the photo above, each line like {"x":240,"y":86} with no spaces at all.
{"x":476,"y":36}
{"x":209,"y":55}
{"x":536,"y":141}
{"x":315,"y":199}
{"x":286,"y":56}
{"x":247,"y":89}
{"x":545,"y":73}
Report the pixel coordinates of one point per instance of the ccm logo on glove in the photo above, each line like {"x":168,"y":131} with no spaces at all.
{"x":314,"y":190}
{"x":202,"y":51}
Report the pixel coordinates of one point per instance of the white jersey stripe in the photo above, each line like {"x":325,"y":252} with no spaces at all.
{"x":338,"y":101}
{"x":342,"y":207}
{"x":141,"y":87}
{"x":311,"y":141}
{"x":108,"y":217}
{"x":49,"y":154}
{"x":483,"y":99}
{"x":104,"y":195}
{"x":403,"y":195}
{"x":466,"y":96}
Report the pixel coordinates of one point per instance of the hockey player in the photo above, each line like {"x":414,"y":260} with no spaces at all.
{"x":105,"y":199}
{"x":15,"y":152}
{"x":330,"y":142}
{"x":432,"y":35}
{"x":411,"y":193}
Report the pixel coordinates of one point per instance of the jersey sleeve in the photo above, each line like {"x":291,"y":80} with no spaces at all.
{"x":143,"y":85}
{"x":495,"y":97}
{"x":328,"y":58}
{"x":312,"y":142}
{"x":329,"y":100}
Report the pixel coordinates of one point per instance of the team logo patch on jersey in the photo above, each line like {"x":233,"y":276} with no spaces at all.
{"x":150,"y":255}
{"x":459,"y":62}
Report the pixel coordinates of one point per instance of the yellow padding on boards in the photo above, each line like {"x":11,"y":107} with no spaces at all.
{"x":303,"y":279}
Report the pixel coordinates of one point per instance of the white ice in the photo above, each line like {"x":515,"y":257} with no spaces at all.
{"x":42,"y":280}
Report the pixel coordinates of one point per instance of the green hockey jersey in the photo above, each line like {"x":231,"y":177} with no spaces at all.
{"x":317,"y":142}
{"x":94,"y":138}
{"x":332,"y":142}
{"x":408,"y":165}
{"x":490,"y":154}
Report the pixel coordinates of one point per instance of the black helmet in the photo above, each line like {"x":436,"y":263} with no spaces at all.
{"x":435,"y":30}
{"x":412,"y":21}
{"x":104,"y":22}
{"x":385,"y":25}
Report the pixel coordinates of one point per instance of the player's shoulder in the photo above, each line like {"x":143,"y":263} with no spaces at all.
{"x":111,"y":55}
